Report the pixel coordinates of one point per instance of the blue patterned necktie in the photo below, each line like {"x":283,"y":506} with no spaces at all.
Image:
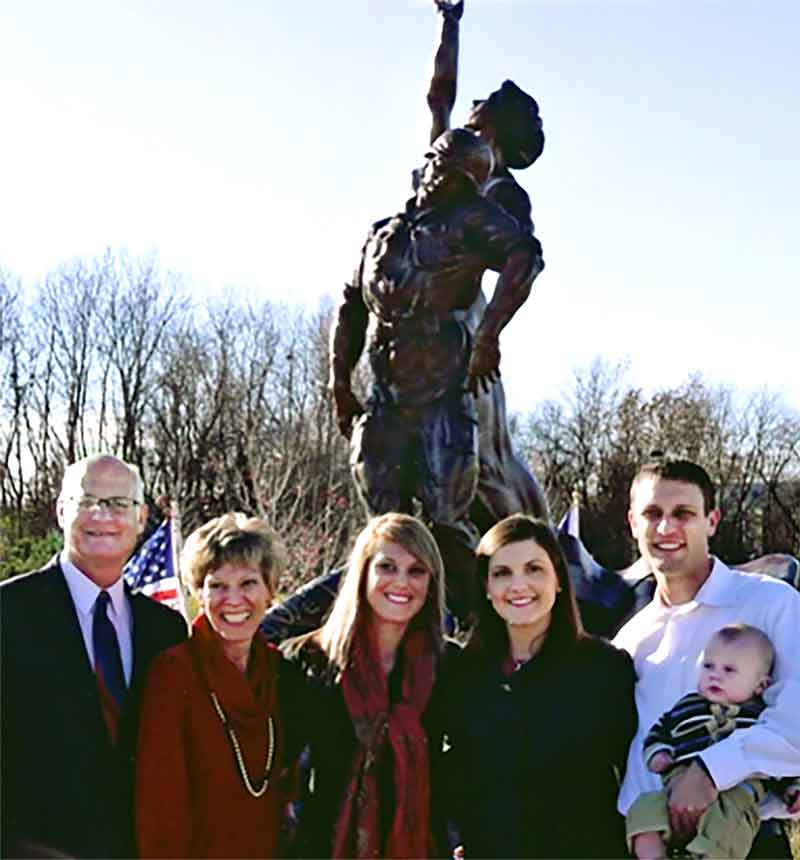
{"x":108,"y":665}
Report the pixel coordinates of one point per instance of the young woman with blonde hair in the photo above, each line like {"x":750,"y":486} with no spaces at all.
{"x":361,"y":699}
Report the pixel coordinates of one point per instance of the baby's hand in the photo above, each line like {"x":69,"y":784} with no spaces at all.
{"x":660,"y":761}
{"x":792,"y":798}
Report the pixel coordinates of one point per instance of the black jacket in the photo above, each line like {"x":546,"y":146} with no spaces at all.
{"x":64,"y":787}
{"x":534,"y":757}
{"x":316,"y":717}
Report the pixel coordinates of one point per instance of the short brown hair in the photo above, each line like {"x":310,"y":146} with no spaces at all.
{"x":684,"y":471}
{"x":233,"y":538}
{"x":490,"y":636}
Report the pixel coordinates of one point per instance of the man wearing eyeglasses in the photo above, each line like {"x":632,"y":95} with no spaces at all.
{"x":76,"y":644}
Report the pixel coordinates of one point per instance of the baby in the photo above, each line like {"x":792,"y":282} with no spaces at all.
{"x":735,"y":670}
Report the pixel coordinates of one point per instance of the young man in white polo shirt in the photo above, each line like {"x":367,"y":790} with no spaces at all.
{"x":672,"y":516}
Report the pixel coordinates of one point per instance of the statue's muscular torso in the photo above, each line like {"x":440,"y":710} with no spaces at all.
{"x":418,"y":269}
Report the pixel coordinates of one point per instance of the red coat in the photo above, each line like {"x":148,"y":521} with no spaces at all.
{"x":191,"y":800}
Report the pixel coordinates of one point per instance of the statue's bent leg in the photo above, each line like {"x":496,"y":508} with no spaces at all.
{"x":505,"y":485}
{"x":450,"y":450}
{"x":381,"y":449}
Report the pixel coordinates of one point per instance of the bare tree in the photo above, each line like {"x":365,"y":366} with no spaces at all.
{"x":595,"y":438}
{"x":139,"y":307}
{"x":65,"y":334}
{"x":13,"y":384}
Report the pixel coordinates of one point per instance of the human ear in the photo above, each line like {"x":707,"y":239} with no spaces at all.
{"x":713,"y":521}
{"x":632,"y":522}
{"x":142,"y":516}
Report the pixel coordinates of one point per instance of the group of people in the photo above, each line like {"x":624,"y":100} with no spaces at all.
{"x":125,"y":734}
{"x":374,"y":736}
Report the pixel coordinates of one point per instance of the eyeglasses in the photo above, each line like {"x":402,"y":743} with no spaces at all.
{"x":114,"y":504}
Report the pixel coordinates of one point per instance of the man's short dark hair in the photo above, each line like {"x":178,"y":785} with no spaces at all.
{"x":680,"y":470}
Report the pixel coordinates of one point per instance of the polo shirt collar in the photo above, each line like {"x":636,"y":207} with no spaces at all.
{"x":715,"y":591}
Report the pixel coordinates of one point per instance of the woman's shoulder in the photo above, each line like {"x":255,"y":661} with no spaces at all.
{"x":450,"y":660}
{"x":306,"y":655}
{"x":452,"y":652}
{"x":269,"y":654}
{"x":174,"y":659}
{"x":599,"y":651}
{"x":172,"y":671}
{"x":272,"y":650}
{"x":462,"y":669}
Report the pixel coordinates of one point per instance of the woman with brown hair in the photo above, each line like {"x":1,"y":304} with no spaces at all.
{"x":211,"y":742}
{"x":362,"y":701}
{"x":539,"y":714}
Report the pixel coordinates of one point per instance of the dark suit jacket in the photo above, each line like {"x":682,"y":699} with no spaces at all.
{"x":63,"y":785}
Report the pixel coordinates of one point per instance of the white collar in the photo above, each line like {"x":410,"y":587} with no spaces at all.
{"x":84,"y":591}
{"x":715,"y":591}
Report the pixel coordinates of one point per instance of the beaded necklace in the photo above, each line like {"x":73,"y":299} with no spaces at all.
{"x":237,"y":753}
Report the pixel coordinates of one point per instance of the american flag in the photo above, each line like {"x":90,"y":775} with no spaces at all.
{"x":151,"y":570}
{"x":570,"y":522}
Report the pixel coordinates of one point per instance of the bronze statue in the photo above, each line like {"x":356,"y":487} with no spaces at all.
{"x":419,"y":274}
{"x":508,"y":120}
{"x":435,"y":433}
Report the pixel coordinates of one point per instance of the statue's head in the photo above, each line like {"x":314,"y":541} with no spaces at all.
{"x":510,"y":119}
{"x":458,"y":162}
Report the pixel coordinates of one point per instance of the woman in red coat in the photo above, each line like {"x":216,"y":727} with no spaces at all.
{"x":211,"y":747}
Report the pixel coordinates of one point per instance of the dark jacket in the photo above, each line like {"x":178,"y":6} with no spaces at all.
{"x":534,"y":756}
{"x":64,"y":787}
{"x":317,"y":718}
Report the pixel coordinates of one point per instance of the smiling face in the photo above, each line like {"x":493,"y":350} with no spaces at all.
{"x":732,"y":672}
{"x":397,"y":584}
{"x":672,"y":529}
{"x":99,"y":541}
{"x":234,"y":599}
{"x":522,"y":585}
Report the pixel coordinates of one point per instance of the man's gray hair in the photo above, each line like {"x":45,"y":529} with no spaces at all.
{"x":75,"y":471}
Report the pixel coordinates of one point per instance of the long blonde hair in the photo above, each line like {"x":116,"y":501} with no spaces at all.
{"x":337,"y":633}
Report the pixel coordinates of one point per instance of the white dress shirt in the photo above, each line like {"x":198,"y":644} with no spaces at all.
{"x":666,"y":644}
{"x":84,"y":594}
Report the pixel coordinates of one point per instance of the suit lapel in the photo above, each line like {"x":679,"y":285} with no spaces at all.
{"x":61,"y":635}
{"x":142,"y":636}
{"x":59,"y":620}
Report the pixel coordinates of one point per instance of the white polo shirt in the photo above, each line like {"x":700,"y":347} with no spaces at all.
{"x":666,"y":643}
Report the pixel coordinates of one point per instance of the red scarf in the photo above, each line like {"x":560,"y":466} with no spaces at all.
{"x":246,"y":699}
{"x":380,"y":726}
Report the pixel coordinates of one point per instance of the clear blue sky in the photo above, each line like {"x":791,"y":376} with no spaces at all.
{"x":252,"y":143}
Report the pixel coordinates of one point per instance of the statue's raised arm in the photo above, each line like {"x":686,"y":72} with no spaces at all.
{"x":442,"y":89}
{"x":508,"y":121}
